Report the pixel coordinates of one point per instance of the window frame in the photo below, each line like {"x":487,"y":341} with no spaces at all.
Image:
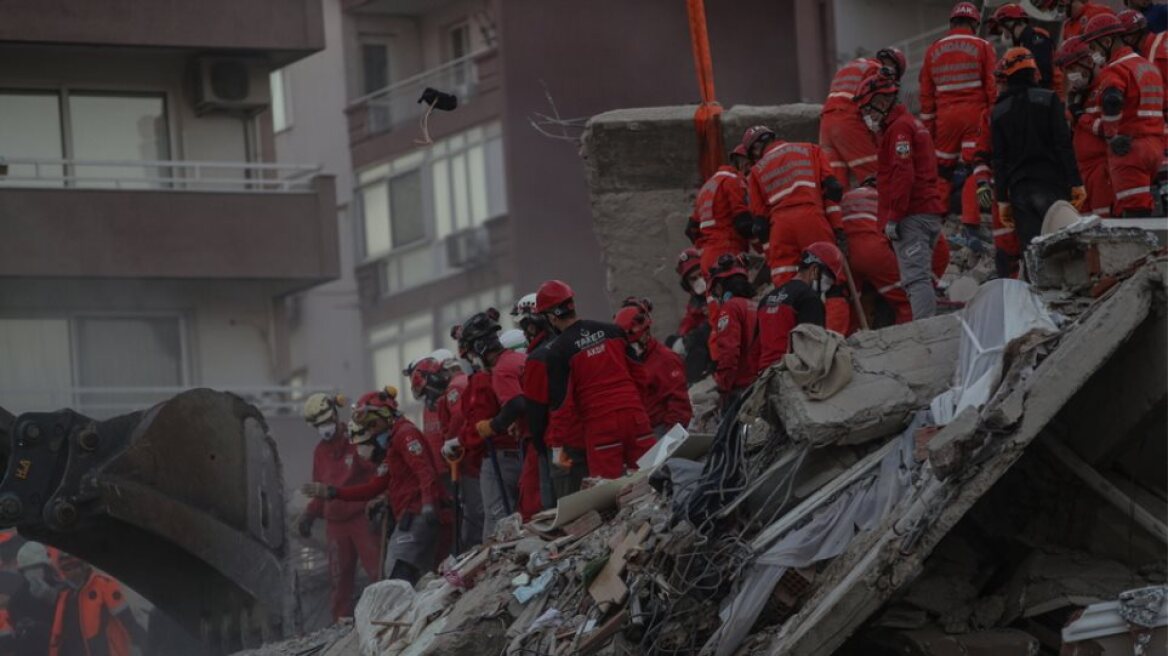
{"x":285,"y":100}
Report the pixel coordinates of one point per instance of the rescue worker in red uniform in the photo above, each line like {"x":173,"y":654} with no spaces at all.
{"x":1154,"y":48}
{"x":725,"y":224}
{"x":693,"y":333}
{"x":662,"y":377}
{"x":92,"y":616}
{"x":419,"y":374}
{"x":588,"y":361}
{"x":850,"y":147}
{"x":870,"y":255}
{"x":1131,"y":99}
{"x":1087,"y":125}
{"x":792,"y":185}
{"x":348,"y":533}
{"x":957,"y":92}
{"x":735,"y":329}
{"x":498,"y":434}
{"x":407,"y":475}
{"x":910,"y":208}
{"x":453,"y":383}
{"x":798,"y":301}
{"x":1013,"y":23}
{"x":1079,"y":13}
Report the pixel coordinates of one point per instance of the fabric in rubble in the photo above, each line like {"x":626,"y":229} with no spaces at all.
{"x":859,"y":507}
{"x":1001,"y":311}
{"x":820,"y":361}
{"x":676,"y":479}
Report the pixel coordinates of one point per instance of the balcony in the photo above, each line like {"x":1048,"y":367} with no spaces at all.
{"x":168,"y":219}
{"x":106,"y":402}
{"x":376,"y":121}
{"x":286,"y":30}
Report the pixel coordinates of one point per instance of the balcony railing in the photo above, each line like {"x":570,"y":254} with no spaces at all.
{"x":397,"y":104}
{"x":248,"y":177}
{"x":105,"y":402}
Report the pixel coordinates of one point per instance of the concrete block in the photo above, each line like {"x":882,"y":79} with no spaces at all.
{"x":949,"y":448}
{"x":1076,"y":260}
{"x":897,"y":370}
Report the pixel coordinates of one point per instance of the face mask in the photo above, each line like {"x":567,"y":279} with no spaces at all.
{"x":1076,"y":79}
{"x":825,"y":283}
{"x":382,"y":440}
{"x":872,"y":122}
{"x":365,"y":451}
{"x":326,"y":431}
{"x":638,"y":348}
{"x":1098,"y":58}
{"x":38,"y":586}
{"x":698,"y":286}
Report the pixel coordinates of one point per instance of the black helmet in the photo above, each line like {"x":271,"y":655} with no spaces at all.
{"x":480,"y":333}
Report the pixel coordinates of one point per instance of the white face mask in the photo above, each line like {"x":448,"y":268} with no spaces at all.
{"x":326,"y":431}
{"x":1076,"y":79}
{"x":872,"y":122}
{"x":698,"y":286}
{"x":825,"y":282}
{"x":365,"y":451}
{"x":1098,"y":58}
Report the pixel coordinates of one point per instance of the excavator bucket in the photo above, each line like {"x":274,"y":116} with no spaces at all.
{"x":183,"y":502}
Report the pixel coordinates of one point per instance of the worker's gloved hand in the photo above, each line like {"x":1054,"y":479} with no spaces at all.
{"x":1006,"y":214}
{"x":451,"y":449}
{"x":560,"y":458}
{"x":304,"y":526}
{"x":1078,"y":197}
{"x":316,"y":490}
{"x":841,"y":240}
{"x":429,"y":515}
{"x":985,"y":196}
{"x":892,"y":230}
{"x":375,"y":508}
{"x":483,"y":427}
{"x":1120,"y":145}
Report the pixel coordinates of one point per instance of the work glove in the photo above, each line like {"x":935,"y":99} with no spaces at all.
{"x":1120,"y":145}
{"x":451,"y":448}
{"x":985,"y":196}
{"x":1006,"y":214}
{"x":892,"y":230}
{"x":304,"y":526}
{"x":560,"y":458}
{"x":429,"y":515}
{"x":1078,"y":197}
{"x":316,"y":490}
{"x":841,"y":240}
{"x":483,"y":427}
{"x":375,"y":508}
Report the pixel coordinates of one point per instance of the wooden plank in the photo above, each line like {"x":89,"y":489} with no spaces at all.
{"x":603,"y":633}
{"x":587,"y":523}
{"x":609,"y":589}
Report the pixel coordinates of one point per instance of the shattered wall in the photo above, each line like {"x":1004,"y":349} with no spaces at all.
{"x":643,"y":176}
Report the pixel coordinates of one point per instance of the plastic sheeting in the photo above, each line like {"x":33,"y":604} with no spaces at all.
{"x":859,"y":507}
{"x":1001,"y":311}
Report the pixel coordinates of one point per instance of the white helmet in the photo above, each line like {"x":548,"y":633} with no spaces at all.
{"x":513,"y":339}
{"x":32,"y":554}
{"x":524,"y":306}
{"x":442,"y":355}
{"x":319,"y":408}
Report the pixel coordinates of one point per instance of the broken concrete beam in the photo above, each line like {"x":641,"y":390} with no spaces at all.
{"x":949,"y":448}
{"x":643,"y":175}
{"x":1077,"y":260}
{"x":897,"y":370}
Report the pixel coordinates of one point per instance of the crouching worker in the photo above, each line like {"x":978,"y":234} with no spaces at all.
{"x":800,"y":300}
{"x":408,"y":477}
{"x":660,"y":374}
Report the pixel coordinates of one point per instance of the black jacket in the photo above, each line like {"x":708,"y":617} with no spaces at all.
{"x":1032,"y":141}
{"x":1039,"y":44}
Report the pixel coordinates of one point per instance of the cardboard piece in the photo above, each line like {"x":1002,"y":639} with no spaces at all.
{"x":676,"y":443}
{"x":609,"y":588}
{"x":598,"y":497}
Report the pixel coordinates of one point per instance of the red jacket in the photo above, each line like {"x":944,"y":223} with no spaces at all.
{"x":737,"y":362}
{"x":779,"y":312}
{"x":450,"y":407}
{"x":846,"y":84}
{"x":1075,"y":25}
{"x":1142,"y":88}
{"x":789,"y":175}
{"x":432,"y":430}
{"x":589,"y":361}
{"x":1089,"y":143}
{"x":558,"y":427}
{"x":859,"y":207}
{"x":663,"y":386}
{"x":507,"y":382}
{"x":478,"y":402}
{"x":335,"y":462}
{"x":408,"y":475}
{"x":720,"y":200}
{"x":697,"y":312}
{"x":958,"y":69}
{"x":907,"y":175}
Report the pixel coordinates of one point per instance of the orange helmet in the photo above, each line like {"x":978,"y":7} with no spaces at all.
{"x":635,"y":321}
{"x":828,"y":256}
{"x":1016,"y":60}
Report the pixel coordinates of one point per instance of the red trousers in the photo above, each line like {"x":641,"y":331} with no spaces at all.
{"x":792,"y":230}
{"x":347,"y":541}
{"x":956,"y":133}
{"x":616,"y":440}
{"x":850,"y":145}
{"x":529,"y":497}
{"x":872,"y":261}
{"x":1132,"y":174}
{"x":838,"y":315}
{"x":1097,"y":182}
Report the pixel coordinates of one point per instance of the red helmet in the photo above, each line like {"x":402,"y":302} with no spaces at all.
{"x":754,"y":134}
{"x":739,"y":151}
{"x":1102,"y":25}
{"x":1132,"y":21}
{"x":965,"y":11}
{"x":555,"y":296}
{"x":895,"y":55}
{"x":422,"y":374}
{"x":634,"y":321}
{"x":688,"y":261}
{"x":371,"y":407}
{"x":876,"y":85}
{"x":827,"y":255}
{"x":1072,"y":50}
{"x":728,"y":265}
{"x":642,"y":303}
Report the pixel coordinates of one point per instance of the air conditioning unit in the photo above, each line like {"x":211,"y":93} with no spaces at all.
{"x":230,"y":84}
{"x":467,"y":248}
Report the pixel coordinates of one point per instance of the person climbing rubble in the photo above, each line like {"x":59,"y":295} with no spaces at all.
{"x":693,"y":333}
{"x":349,"y":535}
{"x":870,"y":256}
{"x":800,"y":300}
{"x":725,"y":224}
{"x":735,"y":329}
{"x":850,"y":146}
{"x":407,"y":476}
{"x":662,"y":373}
{"x":1087,"y":139}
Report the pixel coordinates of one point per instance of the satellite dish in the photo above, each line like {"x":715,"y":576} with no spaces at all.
{"x":1048,"y":15}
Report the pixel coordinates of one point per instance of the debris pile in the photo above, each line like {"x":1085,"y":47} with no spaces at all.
{"x":981,"y":480}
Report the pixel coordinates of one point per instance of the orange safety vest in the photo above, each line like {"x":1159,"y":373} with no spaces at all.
{"x":99,"y":601}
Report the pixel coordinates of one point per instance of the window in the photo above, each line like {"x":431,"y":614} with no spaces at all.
{"x":459,"y":44}
{"x":38,"y":373}
{"x":118,"y":127}
{"x":394,"y":345}
{"x":31,"y":128}
{"x":455,"y":312}
{"x":468,"y":180}
{"x":281,"y":101}
{"x":374,"y":66}
{"x":405,"y":209}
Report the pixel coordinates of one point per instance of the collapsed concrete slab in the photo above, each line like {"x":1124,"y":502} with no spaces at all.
{"x":643,"y":175}
{"x":897,"y":370}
